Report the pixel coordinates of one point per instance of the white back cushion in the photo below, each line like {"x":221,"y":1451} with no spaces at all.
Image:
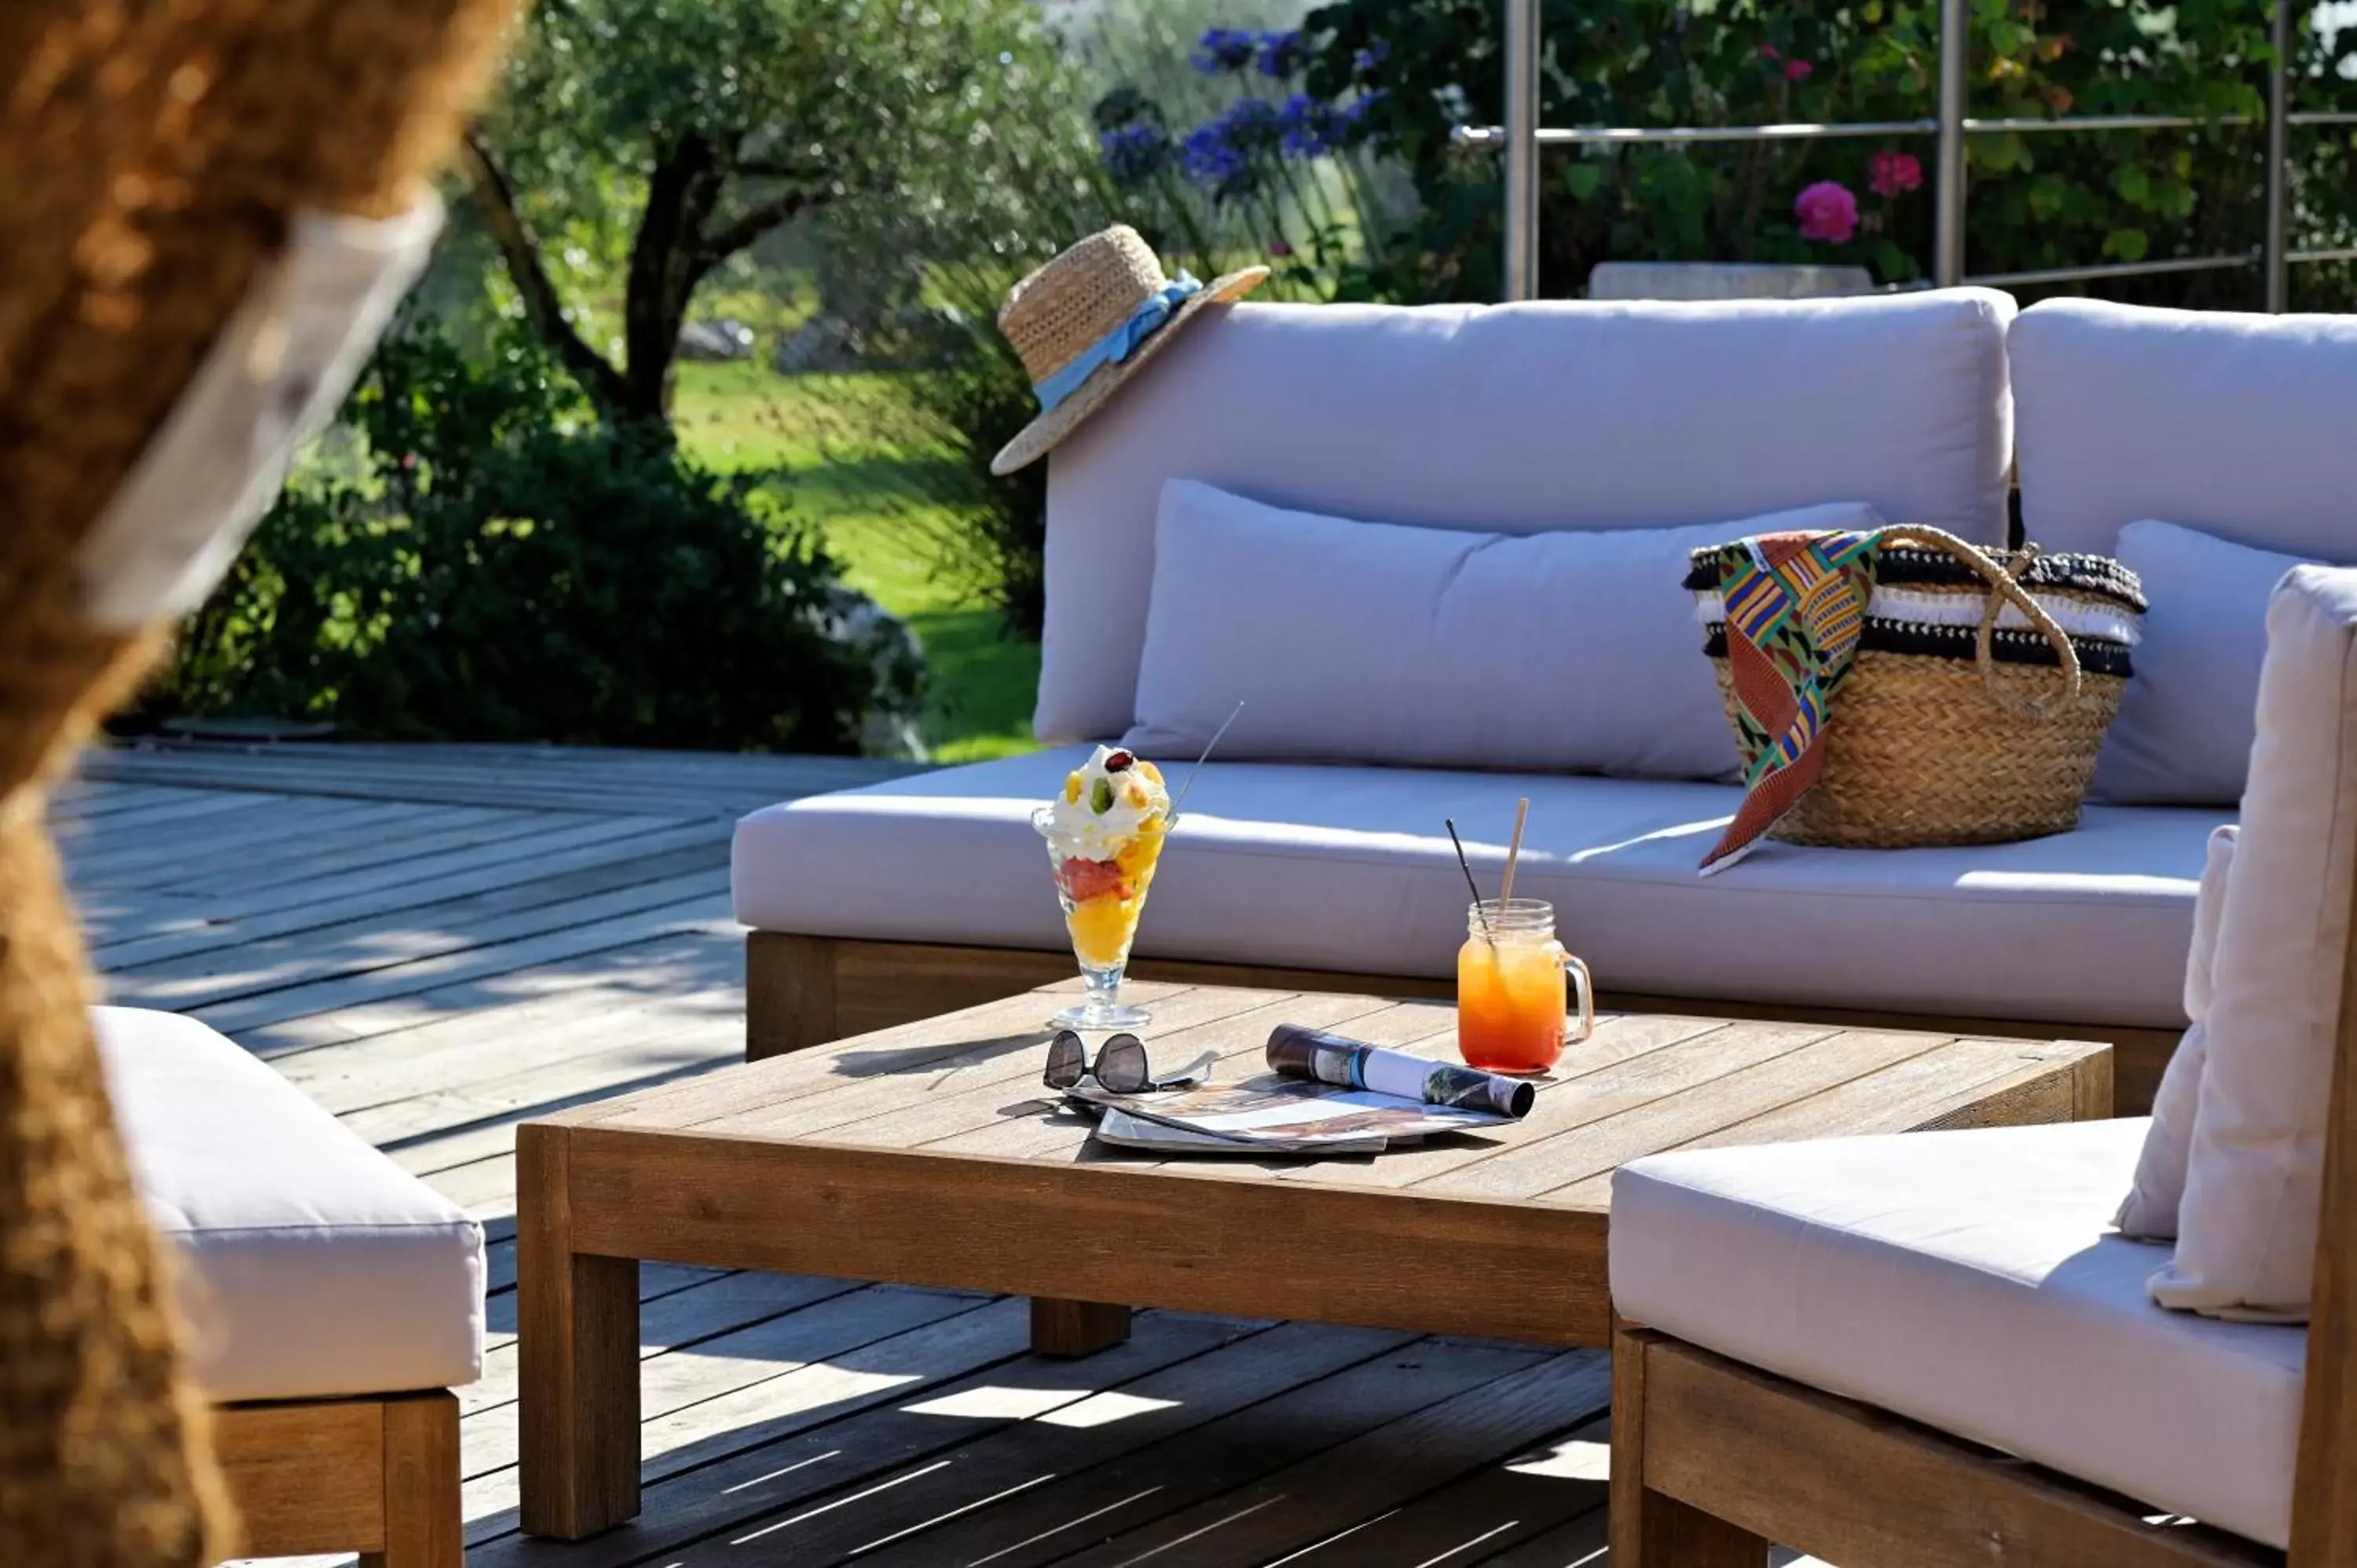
{"x":1516,"y":419}
{"x":2236,"y":424}
{"x":2183,"y":735}
{"x":2150,"y":1211}
{"x":2254,"y":1186}
{"x":1371,"y":642}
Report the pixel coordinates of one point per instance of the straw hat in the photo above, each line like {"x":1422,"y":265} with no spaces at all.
{"x":1084,"y":323}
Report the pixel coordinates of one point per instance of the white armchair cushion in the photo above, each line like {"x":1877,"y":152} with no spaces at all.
{"x":2150,"y":1211}
{"x":1374,"y":642}
{"x":2253,"y":1187}
{"x":2183,"y":735}
{"x":311,"y":1266}
{"x":1969,"y":1281}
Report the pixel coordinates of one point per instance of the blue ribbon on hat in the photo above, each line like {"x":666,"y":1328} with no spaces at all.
{"x":1117,"y":345}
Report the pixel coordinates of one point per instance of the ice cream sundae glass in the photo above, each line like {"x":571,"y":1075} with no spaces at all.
{"x":1104,"y":831}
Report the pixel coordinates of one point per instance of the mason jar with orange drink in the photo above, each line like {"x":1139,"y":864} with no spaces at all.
{"x":1511,"y":974}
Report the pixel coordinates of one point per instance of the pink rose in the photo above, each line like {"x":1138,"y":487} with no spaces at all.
{"x":1768,"y":51}
{"x":1798,"y":71}
{"x":1893,"y":173}
{"x":1827,"y":212}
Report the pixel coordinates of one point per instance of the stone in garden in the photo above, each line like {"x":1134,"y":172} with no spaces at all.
{"x":897,"y":662}
{"x":726,"y":339}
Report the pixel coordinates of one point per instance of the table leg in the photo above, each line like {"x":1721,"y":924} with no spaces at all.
{"x":578,"y":1325}
{"x":1076,"y":1328}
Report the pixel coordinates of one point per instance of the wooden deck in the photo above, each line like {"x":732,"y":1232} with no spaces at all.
{"x":436,"y":942}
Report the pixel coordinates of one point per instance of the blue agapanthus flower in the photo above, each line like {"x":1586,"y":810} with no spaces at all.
{"x":1211,"y":162}
{"x":1254,"y":125}
{"x":1224,"y":49}
{"x":1374,"y":54}
{"x":1134,"y":153}
{"x":1308,"y":126}
{"x":1282,"y":54}
{"x":1354,"y":125}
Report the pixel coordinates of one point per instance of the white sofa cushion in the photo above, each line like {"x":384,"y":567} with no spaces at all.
{"x":1967,"y":1281}
{"x":2150,"y":1211}
{"x":2254,"y":1186}
{"x":1516,"y":419}
{"x":2236,"y":424}
{"x":2183,"y":735}
{"x":1374,"y":642}
{"x":1350,"y":869}
{"x":311,"y":1266}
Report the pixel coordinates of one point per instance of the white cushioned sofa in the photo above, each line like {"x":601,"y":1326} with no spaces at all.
{"x":332,"y":1298}
{"x":874,"y":906}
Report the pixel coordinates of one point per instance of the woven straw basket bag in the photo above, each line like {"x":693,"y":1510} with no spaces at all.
{"x":1969,"y":713}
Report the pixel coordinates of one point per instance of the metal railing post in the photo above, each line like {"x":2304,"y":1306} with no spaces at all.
{"x":2276,"y":252}
{"x":1521,"y":171}
{"x":1948,"y":226}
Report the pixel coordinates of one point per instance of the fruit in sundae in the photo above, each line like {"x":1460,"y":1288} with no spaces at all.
{"x":1104,"y":833}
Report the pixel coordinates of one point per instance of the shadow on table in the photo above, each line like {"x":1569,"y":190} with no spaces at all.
{"x":936,"y":1055}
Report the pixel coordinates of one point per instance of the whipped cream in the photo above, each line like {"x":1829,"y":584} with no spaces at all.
{"x":1104,"y":811}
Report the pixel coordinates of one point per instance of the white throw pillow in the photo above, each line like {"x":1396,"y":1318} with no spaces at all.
{"x":2150,"y":1212}
{"x":2253,"y":1187}
{"x":2183,"y":735}
{"x":1375,"y":642}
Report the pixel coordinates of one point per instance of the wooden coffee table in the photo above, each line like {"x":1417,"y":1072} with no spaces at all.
{"x":929,"y":1154}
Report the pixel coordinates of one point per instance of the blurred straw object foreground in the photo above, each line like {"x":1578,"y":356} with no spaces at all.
{"x":155,"y":155}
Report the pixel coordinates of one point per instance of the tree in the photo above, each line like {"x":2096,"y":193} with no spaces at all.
{"x":715,"y":121}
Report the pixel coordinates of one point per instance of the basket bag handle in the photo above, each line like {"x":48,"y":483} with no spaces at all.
{"x":2006,"y":586}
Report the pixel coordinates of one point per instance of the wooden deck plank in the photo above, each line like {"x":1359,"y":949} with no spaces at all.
{"x":961,"y":1421}
{"x":1482,"y":1516}
{"x":525,"y":884}
{"x":473,"y":971}
{"x":189,"y":923}
{"x":958,"y":1340}
{"x":405,"y":942}
{"x":171,"y":862}
{"x":1101,"y":1495}
{"x":1324,"y":1497}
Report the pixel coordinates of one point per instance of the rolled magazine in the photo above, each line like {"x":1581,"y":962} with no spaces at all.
{"x":1326,"y":1058}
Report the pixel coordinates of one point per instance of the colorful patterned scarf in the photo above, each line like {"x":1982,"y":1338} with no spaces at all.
{"x":1795,"y":605}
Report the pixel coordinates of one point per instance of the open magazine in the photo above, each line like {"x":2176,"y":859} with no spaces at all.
{"x":1323,"y":1094}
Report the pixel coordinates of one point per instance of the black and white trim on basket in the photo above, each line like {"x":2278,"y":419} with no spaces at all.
{"x":2007,"y":646}
{"x":2097,"y":619}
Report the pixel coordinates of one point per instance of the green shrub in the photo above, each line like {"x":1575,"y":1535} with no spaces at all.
{"x":480,"y":559}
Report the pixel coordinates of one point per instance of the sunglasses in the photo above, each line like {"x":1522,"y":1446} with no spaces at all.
{"x":1121,"y":1067}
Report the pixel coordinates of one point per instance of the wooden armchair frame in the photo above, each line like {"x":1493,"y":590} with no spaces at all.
{"x":378,"y":1476}
{"x":1713,"y":1460}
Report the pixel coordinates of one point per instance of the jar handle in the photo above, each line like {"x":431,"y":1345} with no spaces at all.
{"x":1583,"y":986}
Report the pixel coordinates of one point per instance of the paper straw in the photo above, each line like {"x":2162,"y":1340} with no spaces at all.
{"x":1514,"y":848}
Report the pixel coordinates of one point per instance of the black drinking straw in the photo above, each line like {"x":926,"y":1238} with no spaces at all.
{"x":1466,"y":867}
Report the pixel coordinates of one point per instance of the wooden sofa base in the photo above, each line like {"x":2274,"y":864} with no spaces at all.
{"x":806,"y":991}
{"x":1713,"y":1460}
{"x":378,"y":1476}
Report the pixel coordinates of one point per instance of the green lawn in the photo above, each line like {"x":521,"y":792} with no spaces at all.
{"x":856,"y":457}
